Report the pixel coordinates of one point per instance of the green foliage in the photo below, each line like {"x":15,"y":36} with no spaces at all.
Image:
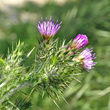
{"x":86,"y":17}
{"x":11,"y":72}
{"x":51,"y":73}
{"x":56,"y":69}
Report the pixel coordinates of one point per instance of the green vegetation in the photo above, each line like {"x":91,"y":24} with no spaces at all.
{"x":90,"y":17}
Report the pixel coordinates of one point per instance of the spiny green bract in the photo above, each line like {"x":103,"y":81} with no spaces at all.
{"x":55,"y":68}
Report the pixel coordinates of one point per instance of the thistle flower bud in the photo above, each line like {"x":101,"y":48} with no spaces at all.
{"x":47,"y":28}
{"x":86,"y":57}
{"x":79,"y":42}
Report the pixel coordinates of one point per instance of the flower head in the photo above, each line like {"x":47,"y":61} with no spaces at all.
{"x":80,"y":41}
{"x":48,"y":28}
{"x":86,"y":57}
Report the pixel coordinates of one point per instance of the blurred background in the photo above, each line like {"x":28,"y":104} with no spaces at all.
{"x":18,"y":21}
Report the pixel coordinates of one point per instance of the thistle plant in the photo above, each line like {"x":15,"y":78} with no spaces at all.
{"x":54,"y":68}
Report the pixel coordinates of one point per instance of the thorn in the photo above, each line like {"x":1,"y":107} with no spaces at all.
{"x":67,"y":85}
{"x":55,"y":103}
{"x":65,"y":100}
{"x":77,"y":80}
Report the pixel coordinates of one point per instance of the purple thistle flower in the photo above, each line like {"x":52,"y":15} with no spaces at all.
{"x":86,"y":57}
{"x":80,"y":41}
{"x":48,"y":28}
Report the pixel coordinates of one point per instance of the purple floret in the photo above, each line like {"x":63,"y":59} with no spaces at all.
{"x":48,"y":28}
{"x":87,"y":57}
{"x":80,"y":41}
